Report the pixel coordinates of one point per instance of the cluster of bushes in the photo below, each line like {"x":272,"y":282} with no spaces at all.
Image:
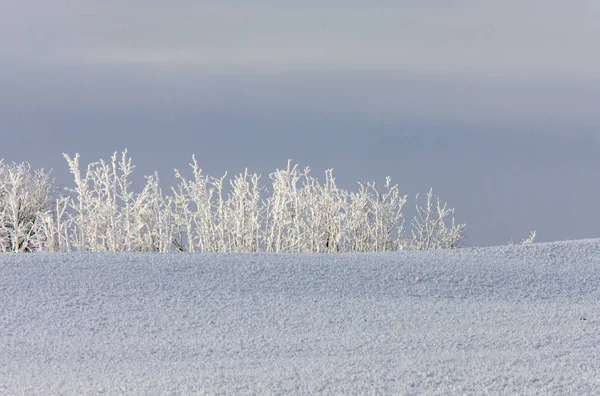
{"x":298,"y":213}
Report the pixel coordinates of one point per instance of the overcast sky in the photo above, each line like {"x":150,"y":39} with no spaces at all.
{"x":492,"y":103}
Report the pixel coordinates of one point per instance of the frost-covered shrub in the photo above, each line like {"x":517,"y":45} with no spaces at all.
{"x":297,"y":213}
{"x":430,"y":229}
{"x":209,"y":219}
{"x":106,"y":215}
{"x":374,"y":219}
{"x":25,"y":199}
{"x":530,"y":239}
{"x":303,"y":215}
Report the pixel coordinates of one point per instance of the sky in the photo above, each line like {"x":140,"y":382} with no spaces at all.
{"x":491,"y":103}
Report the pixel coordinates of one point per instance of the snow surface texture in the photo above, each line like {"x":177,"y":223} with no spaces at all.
{"x":505,"y":320}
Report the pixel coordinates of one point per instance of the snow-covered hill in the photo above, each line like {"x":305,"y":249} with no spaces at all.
{"x":505,"y":320}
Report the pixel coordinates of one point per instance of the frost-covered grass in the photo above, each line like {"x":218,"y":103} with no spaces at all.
{"x":504,"y":320}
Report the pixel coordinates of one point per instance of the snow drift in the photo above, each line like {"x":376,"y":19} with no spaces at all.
{"x":504,"y":320}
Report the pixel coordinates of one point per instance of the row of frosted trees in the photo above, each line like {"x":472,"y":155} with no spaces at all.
{"x":298,"y":213}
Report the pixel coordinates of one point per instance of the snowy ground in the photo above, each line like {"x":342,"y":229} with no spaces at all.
{"x":507,"y":320}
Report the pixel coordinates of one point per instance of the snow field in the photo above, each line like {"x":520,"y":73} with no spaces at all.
{"x":503,"y":320}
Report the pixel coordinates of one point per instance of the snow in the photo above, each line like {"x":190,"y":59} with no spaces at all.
{"x":502,"y":320}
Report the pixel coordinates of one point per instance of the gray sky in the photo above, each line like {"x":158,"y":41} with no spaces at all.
{"x":493,"y":103}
